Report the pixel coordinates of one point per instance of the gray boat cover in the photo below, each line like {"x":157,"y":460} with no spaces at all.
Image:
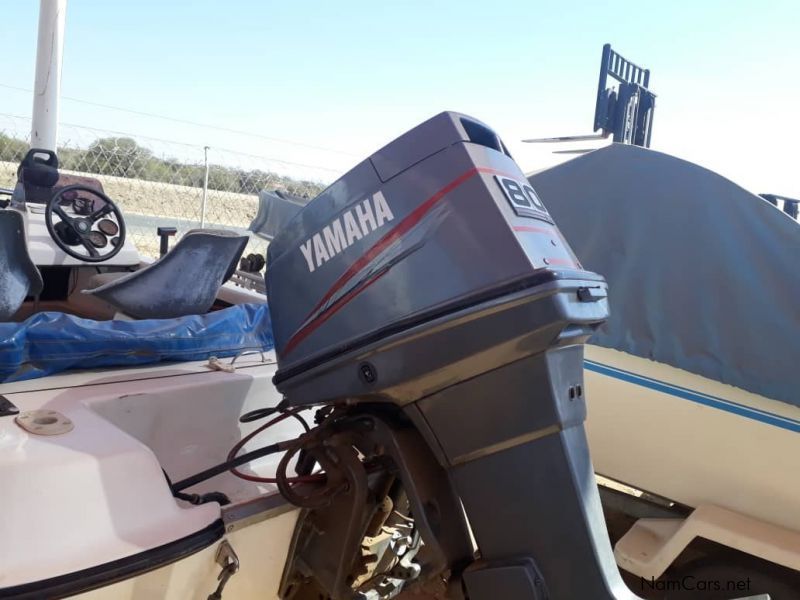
{"x":275,"y":210}
{"x":702,"y":274}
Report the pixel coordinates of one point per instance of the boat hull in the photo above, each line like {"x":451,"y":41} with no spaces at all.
{"x":691,"y":439}
{"x":261,"y":548}
{"x":113,"y":528}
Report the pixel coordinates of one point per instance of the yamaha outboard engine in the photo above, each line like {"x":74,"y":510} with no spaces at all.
{"x":428,"y":304}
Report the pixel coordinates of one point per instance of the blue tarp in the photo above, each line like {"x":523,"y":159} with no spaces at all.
{"x":50,"y":342}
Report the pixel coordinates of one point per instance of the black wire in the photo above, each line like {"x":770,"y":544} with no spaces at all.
{"x":197,"y":499}
{"x":258,"y":414}
{"x":219,"y":497}
{"x":262,"y":413}
{"x":226,"y":466}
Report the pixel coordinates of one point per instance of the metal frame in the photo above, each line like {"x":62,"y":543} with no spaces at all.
{"x":790,"y":205}
{"x":625,"y":112}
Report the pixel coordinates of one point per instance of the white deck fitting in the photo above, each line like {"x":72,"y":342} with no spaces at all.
{"x":651,"y":545}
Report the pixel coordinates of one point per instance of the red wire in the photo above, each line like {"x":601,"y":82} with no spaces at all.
{"x":235,"y":450}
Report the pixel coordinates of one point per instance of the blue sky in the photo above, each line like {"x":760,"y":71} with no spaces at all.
{"x":352,"y":75}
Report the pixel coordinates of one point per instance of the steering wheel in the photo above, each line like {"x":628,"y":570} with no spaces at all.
{"x":94,"y":231}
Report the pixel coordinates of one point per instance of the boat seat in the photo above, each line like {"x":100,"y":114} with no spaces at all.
{"x":184,"y":281}
{"x":19,"y":277}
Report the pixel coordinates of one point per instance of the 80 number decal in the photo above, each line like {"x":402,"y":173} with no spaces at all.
{"x":523,"y":199}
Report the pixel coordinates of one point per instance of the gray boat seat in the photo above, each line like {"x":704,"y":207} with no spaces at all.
{"x":185,"y":281}
{"x":19,"y":277}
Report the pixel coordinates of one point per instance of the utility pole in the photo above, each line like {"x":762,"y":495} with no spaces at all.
{"x":47,"y":87}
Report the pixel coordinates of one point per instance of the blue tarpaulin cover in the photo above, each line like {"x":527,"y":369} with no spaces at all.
{"x":50,"y":342}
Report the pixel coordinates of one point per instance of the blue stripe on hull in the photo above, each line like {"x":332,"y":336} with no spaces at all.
{"x":686,"y":394}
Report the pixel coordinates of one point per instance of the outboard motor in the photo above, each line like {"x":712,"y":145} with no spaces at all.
{"x":428,"y":304}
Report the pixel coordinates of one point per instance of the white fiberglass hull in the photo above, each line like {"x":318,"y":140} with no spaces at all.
{"x":691,"y":439}
{"x":90,"y":508}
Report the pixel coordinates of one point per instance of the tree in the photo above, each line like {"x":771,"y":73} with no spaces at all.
{"x":120,"y":156}
{"x":223,"y":178}
{"x":12,"y":149}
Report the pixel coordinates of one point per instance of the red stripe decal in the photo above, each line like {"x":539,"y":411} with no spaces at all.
{"x":408,"y":222}
{"x":530,"y":229}
{"x":334,"y":308}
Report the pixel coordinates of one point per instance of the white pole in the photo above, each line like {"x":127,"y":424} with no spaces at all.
{"x":49,"y":53}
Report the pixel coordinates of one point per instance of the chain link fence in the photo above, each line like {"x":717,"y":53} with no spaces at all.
{"x":166,"y":183}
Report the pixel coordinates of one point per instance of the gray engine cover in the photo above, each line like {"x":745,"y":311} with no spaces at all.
{"x":443,"y":210}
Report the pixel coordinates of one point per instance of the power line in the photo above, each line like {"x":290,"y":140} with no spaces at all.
{"x":101,"y":132}
{"x":187,"y":122}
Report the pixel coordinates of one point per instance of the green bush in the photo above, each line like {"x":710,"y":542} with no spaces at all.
{"x":11,"y":149}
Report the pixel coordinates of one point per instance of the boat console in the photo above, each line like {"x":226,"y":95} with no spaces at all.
{"x":69,"y":220}
{"x":73,"y":236}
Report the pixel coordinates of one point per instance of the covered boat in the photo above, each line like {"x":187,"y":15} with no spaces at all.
{"x":692,"y":379}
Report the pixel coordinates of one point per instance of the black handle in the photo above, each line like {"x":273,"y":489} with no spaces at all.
{"x":34,"y":157}
{"x":165,"y":233}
